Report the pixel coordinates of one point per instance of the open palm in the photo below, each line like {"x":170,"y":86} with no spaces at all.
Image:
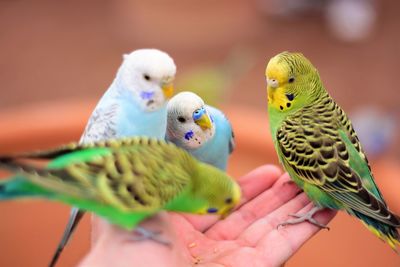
{"x":248,"y":237}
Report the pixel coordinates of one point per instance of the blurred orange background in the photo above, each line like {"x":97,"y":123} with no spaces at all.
{"x":58,"y":57}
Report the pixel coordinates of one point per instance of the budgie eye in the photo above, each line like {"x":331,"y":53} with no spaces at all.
{"x":146,"y":77}
{"x":228,"y":200}
{"x":181,"y":119}
{"x":291,"y":79}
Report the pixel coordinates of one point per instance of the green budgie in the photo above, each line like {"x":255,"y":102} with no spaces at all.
{"x":122,"y":180}
{"x":318,"y":147}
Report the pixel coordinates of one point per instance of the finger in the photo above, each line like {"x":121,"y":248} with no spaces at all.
{"x":280,"y":244}
{"x":116,"y":245}
{"x":258,"y":180}
{"x":281,"y":192}
{"x":260,"y":228}
{"x":99,"y":226}
{"x":252,"y":184}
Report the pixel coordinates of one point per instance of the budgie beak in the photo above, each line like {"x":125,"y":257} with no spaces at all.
{"x":202,"y":119}
{"x":272,"y":85}
{"x":225,"y":213}
{"x":168,"y":89}
{"x":232,"y":201}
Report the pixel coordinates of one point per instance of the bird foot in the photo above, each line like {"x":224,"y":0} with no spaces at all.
{"x":144,"y":234}
{"x":305,"y":217}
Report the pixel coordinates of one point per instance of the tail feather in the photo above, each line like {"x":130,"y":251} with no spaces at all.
{"x":45,"y":154}
{"x":12,"y":165}
{"x":23,"y":183}
{"x":56,"y":180}
{"x":385,"y":232}
{"x":19,"y":187}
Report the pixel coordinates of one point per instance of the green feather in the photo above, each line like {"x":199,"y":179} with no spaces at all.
{"x":18,"y":187}
{"x":124,"y":181}
{"x":78,"y":156}
{"x":361,"y":167}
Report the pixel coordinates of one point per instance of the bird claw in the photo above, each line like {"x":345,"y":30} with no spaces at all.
{"x":305,"y":217}
{"x":144,"y":234}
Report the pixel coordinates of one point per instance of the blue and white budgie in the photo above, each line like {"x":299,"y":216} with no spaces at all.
{"x":134,"y":104}
{"x":202,"y":130}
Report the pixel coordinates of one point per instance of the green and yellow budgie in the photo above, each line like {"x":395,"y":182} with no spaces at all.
{"x":124,"y":181}
{"x":318,"y":147}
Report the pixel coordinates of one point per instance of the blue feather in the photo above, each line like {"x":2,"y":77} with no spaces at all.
{"x":216,"y":151}
{"x":132,"y":120}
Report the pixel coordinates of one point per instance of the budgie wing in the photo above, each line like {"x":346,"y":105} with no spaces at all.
{"x":101,"y":124}
{"x":312,"y":146}
{"x":141,"y":177}
{"x":232,"y":144}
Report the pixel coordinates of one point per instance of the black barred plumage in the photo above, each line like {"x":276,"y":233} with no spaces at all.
{"x":318,"y":146}
{"x":298,"y":66}
{"x":121,"y":177}
{"x":332,"y":171}
{"x":101,"y":124}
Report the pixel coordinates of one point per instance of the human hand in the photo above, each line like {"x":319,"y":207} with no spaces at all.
{"x":247,"y":237}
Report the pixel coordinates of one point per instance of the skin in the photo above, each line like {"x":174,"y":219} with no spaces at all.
{"x":249,"y":234}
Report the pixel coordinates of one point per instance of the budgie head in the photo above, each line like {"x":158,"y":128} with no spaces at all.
{"x":148,"y":75}
{"x":220,"y":191}
{"x":292,"y":82}
{"x":189,"y":124}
